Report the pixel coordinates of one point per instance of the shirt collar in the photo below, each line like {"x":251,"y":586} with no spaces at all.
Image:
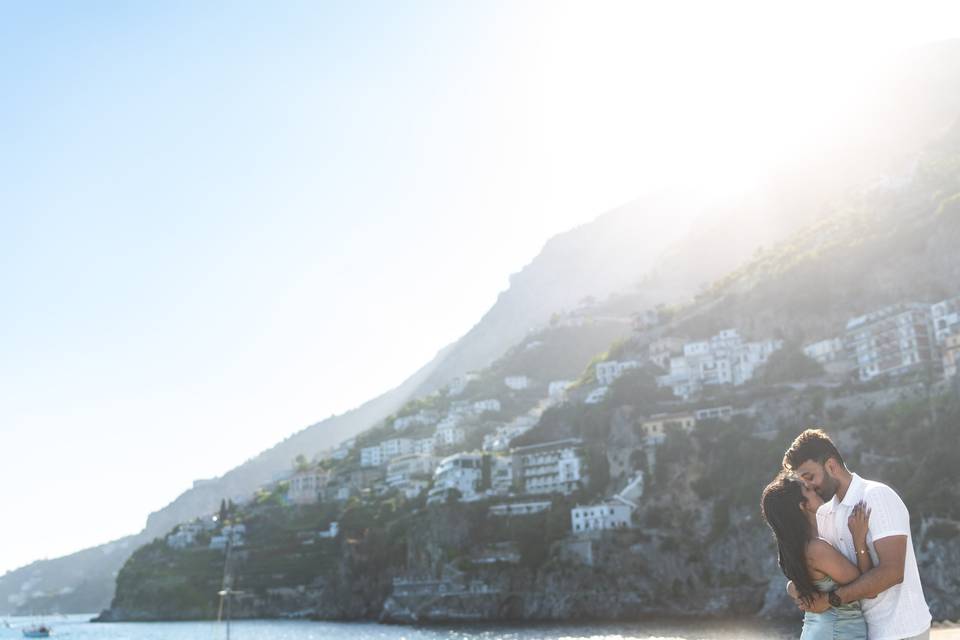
{"x":853,"y":496}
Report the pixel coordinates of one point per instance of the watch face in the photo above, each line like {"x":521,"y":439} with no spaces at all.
{"x":834,"y":599}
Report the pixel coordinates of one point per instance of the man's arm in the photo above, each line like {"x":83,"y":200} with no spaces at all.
{"x":892,"y":554}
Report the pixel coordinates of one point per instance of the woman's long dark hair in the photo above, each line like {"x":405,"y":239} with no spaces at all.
{"x":780,"y":506}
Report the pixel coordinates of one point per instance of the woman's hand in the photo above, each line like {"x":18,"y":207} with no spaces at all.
{"x":859,"y":522}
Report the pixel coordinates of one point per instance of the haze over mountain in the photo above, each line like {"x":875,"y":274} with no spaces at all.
{"x":891,"y":243}
{"x":662,"y":248}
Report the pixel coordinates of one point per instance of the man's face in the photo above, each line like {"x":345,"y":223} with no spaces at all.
{"x":817,"y":477}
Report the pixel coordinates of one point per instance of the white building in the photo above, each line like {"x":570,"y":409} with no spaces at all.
{"x":424,"y":446}
{"x":483,"y":406}
{"x":473,"y":475}
{"x":461,"y":472}
{"x":655,"y":427}
{"x":891,"y":341}
{"x":501,"y":475}
{"x":951,"y":355}
{"x":946,"y":318}
{"x":597,"y":395}
{"x":500,"y":439}
{"x":714,"y":413}
{"x":413,"y":487}
{"x":394,"y":447}
{"x":751,"y":356}
{"x":605,"y":516}
{"x":610,"y":370}
{"x":723,"y":359}
{"x":343,"y":450}
{"x":517,"y":383}
{"x":726,"y":339}
{"x":660,"y":351}
{"x":459,"y":409}
{"x":404,"y":423}
{"x":509,"y":509}
{"x":550,"y":467}
{"x":185,"y":535}
{"x":234,"y":535}
{"x":694,"y":349}
{"x":404,"y":468}
{"x":371,"y":456}
{"x":387,"y":450}
{"x":826,"y":351}
{"x":504,"y":434}
{"x":305,"y":485}
{"x":451,"y":419}
{"x":421,"y":417}
{"x":449,"y":434}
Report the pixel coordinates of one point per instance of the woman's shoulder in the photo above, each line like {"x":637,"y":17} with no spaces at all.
{"x":817,"y":555}
{"x":817,"y":547}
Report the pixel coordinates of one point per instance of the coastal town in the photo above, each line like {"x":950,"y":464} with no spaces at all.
{"x":470,"y":442}
{"x":892,"y":341}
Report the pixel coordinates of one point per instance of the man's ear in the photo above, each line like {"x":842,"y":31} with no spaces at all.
{"x":832,"y":467}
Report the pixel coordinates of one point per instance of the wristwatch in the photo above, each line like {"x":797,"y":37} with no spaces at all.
{"x":834,"y":599}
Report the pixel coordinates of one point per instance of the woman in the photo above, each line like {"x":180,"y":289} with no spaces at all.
{"x":790,"y":510}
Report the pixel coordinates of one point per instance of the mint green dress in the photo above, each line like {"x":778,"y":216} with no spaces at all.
{"x":838,"y":623}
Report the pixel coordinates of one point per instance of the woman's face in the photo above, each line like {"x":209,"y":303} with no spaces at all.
{"x":812,"y":500}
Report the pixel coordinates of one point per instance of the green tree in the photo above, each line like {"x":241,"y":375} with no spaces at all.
{"x":300,"y":463}
{"x":789,"y":364}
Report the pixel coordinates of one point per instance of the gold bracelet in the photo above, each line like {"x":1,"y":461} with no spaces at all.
{"x":862,"y":552}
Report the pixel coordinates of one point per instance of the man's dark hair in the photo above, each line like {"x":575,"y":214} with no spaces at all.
{"x":812,"y":444}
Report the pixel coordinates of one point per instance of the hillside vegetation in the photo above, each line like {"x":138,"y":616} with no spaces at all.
{"x":697,"y":545}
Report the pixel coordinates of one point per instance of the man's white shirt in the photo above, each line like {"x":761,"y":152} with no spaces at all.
{"x":901,"y":611}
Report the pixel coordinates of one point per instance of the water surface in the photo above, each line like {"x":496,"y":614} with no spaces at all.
{"x":78,"y":628}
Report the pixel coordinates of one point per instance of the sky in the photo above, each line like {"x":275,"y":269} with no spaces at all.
{"x":221,"y":222}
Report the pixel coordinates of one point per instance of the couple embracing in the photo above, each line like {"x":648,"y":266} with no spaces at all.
{"x":845,"y":546}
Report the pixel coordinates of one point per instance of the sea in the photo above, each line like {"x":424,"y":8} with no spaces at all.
{"x":78,"y":627}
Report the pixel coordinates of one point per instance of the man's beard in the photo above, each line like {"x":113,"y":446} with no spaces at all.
{"x":828,"y":488}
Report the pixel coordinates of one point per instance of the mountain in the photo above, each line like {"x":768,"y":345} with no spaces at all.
{"x":661,"y":249}
{"x":83,"y":582}
{"x":637,"y":248}
{"x":692,"y":544}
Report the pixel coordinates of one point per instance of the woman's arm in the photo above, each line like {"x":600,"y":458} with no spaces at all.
{"x":826,"y":559}
{"x":858,"y":522}
{"x":823,"y":557}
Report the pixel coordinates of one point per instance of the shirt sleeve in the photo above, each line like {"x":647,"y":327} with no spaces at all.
{"x":888,"y":514}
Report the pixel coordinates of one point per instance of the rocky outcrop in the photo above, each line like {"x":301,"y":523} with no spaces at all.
{"x":938,"y":555}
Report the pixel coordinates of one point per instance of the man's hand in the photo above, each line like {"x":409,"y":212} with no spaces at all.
{"x":891,"y":552}
{"x":817,"y":604}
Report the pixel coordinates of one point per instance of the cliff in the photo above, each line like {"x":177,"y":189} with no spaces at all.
{"x":698,"y":546}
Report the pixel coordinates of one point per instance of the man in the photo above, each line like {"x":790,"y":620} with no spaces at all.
{"x":891,"y":594}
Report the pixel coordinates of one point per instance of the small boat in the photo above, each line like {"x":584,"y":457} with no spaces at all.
{"x":37,"y":631}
